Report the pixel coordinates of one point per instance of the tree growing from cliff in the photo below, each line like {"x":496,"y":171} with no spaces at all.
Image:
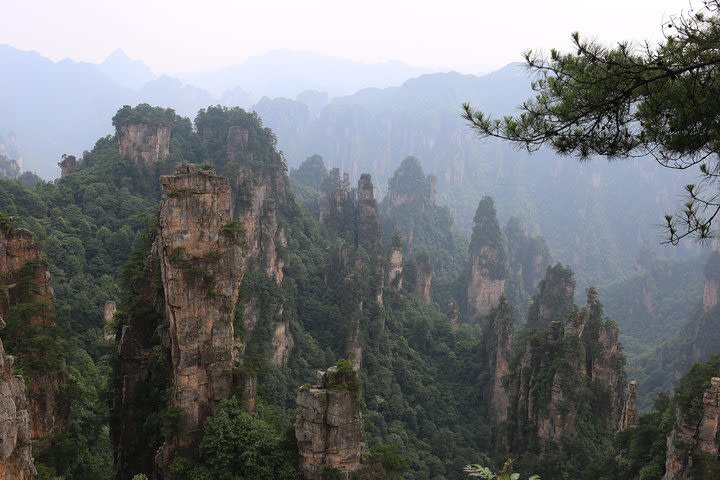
{"x":631,"y":100}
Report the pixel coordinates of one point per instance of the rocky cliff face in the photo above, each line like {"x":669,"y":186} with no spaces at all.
{"x":329,"y":426}
{"x":484,"y":292}
{"x":556,"y":366}
{"x":628,"y":418}
{"x":16,"y":461}
{"x":214,"y":233}
{"x":554,"y":298}
{"x":202,"y":267}
{"x":369,"y":235}
{"x":395,"y":267}
{"x":528,"y":256}
{"x":498,"y":335}
{"x":68,"y":164}
{"x":9,"y":168}
{"x":488,"y":262}
{"x":28,"y":297}
{"x":143,"y":371}
{"x":144,"y":143}
{"x":333,"y":194}
{"x":424,"y":278}
{"x":692,"y":437}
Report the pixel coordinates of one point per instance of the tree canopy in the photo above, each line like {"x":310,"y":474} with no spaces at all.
{"x":631,"y":100}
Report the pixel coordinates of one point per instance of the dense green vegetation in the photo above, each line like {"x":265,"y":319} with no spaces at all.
{"x":409,"y":209}
{"x":143,"y":114}
{"x":423,"y":381}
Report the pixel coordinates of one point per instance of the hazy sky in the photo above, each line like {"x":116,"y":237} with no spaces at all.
{"x":183,"y":35}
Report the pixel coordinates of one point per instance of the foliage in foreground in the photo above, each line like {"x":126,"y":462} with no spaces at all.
{"x":628,"y":101}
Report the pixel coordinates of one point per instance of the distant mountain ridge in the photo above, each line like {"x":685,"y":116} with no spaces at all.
{"x":62,"y":107}
{"x":125,"y":71}
{"x":285,"y":73}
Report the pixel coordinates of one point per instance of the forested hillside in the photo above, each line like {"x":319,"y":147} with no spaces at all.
{"x":197,"y":290}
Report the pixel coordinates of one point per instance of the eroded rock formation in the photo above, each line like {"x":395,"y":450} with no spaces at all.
{"x":528,"y":256}
{"x":693,"y":437}
{"x":628,"y":418}
{"x":554,"y":298}
{"x":27,"y":295}
{"x":333,"y":194}
{"x":395,"y":267}
{"x":578,"y":356}
{"x":142,"y":370}
{"x":146,"y":144}
{"x":16,"y":460}
{"x":217,"y":236}
{"x":329,"y":426}
{"x":9,"y":168}
{"x":498,"y":335}
{"x":369,"y":235}
{"x":202,"y":268}
{"x":68,"y":164}
{"x":424,"y":278}
{"x":488,"y":262}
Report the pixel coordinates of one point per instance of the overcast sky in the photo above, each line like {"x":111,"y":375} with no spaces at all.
{"x":182,"y":35}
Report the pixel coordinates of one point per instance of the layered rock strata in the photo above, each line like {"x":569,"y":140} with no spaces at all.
{"x":592,"y":362}
{"x":424,"y":278}
{"x":693,"y":437}
{"x":498,"y":337}
{"x":16,"y":460}
{"x":25,"y":284}
{"x":201,"y":267}
{"x":329,"y":426}
{"x":144,"y":143}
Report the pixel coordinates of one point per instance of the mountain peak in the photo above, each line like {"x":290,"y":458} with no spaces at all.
{"x":125,"y":71}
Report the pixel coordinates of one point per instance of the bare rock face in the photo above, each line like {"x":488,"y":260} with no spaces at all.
{"x":628,"y":418}
{"x":202,"y":268}
{"x":488,"y":262}
{"x":145,"y":144}
{"x":329,"y":426}
{"x":424,"y":278}
{"x":395,"y":268}
{"x":108,"y":320}
{"x":691,"y":436}
{"x":68,"y":164}
{"x":21,"y":264}
{"x":555,"y":297}
{"x":484,"y":291}
{"x":368,"y":226}
{"x":281,"y":344}
{"x":16,"y":460}
{"x":333,"y":194}
{"x":498,"y":342}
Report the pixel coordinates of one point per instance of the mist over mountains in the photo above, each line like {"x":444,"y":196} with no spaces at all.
{"x":62,"y":107}
{"x":55,"y":108}
{"x":476,"y":302}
